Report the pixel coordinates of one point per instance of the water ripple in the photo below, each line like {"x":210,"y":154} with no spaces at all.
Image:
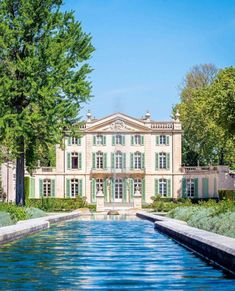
{"x":105,"y":255}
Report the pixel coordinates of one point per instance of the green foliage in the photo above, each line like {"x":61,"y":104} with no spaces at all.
{"x":5,"y":219}
{"x":226,"y":194}
{"x":34,"y":212}
{"x":211,"y":216}
{"x":43,"y":77}
{"x":10,"y":213}
{"x":58,"y":204}
{"x":205,"y":139}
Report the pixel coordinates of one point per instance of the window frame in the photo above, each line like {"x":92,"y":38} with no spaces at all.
{"x":162,"y":161}
{"x":162,"y":187}
{"x":47,"y":187}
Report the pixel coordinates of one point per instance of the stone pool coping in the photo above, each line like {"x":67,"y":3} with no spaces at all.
{"x":30,"y":226}
{"x":214,"y":247}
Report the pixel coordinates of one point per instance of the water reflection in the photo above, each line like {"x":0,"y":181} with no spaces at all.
{"x":105,"y":253}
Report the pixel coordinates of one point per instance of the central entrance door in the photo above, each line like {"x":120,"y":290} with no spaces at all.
{"x":118,"y":190}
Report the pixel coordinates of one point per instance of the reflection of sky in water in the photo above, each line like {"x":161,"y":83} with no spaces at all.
{"x":108,"y":253}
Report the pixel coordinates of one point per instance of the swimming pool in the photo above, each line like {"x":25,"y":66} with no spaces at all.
{"x":105,"y":253}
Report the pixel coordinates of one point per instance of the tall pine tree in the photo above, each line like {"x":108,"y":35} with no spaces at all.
{"x":43,"y":78}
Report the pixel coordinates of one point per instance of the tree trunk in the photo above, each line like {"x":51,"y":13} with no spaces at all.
{"x":221,"y":158}
{"x":20,"y":197}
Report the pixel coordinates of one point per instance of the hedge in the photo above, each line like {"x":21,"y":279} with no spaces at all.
{"x":226,"y":194}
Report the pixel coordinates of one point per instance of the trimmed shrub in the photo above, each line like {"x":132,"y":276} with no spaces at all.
{"x":58,"y":204}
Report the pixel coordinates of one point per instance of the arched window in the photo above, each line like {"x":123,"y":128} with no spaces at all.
{"x":137,"y":160}
{"x":119,"y":160}
{"x":162,"y":160}
{"x":163,"y":187}
{"x":99,"y":160}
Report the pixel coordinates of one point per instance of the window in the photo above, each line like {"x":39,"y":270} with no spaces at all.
{"x":162,"y":161}
{"x":137,"y":160}
{"x":74,"y":187}
{"x":163,"y":187}
{"x":118,"y":189}
{"x":137,"y":139}
{"x":190,"y":188}
{"x":99,"y":139}
{"x":118,"y":139}
{"x":138,"y":183}
{"x":119,"y":161}
{"x":162,"y":139}
{"x":46,"y":187}
{"x":99,"y":160}
{"x":74,"y":158}
{"x":99,"y":185}
{"x":74,"y":140}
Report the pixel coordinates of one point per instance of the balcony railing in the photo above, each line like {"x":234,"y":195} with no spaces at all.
{"x":118,"y":171}
{"x":198,"y":169}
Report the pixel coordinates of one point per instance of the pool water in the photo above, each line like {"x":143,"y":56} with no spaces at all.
{"x":105,"y":253}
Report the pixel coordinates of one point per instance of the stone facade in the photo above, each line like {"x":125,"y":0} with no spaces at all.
{"x":119,"y":153}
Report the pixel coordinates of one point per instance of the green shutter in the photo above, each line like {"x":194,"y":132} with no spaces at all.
{"x":105,"y":190}
{"x":79,"y":161}
{"x":79,"y":141}
{"x":105,"y":161}
{"x":184,"y":193}
{"x":167,"y":140}
{"x":68,"y":188}
{"x":196,"y":187}
{"x":69,"y":140}
{"x":157,"y":139}
{"x":132,"y":140}
{"x":131,"y":189}
{"x":124,"y":190}
{"x":156,"y":161}
{"x":132,"y":161}
{"x":94,"y":140}
{"x":93,"y":160}
{"x":32,"y":188}
{"x":40,"y":187}
{"x":112,"y":190}
{"x":123,"y":139}
{"x":205,"y":186}
{"x":80,"y":187}
{"x":112,"y":160}
{"x":156,"y":187}
{"x":104,"y":140}
{"x":53,"y":187}
{"x":68,"y":161}
{"x":169,"y":188}
{"x":93,"y":190}
{"x":113,"y":140}
{"x":168,"y":161}
{"x":143,"y":190}
{"x":124,"y":160}
{"x":142,"y":160}
{"x":142,"y":140}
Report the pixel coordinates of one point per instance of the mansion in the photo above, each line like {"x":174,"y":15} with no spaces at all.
{"x":119,"y":154}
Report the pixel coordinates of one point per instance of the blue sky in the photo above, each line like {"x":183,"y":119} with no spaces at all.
{"x":145,"y":47}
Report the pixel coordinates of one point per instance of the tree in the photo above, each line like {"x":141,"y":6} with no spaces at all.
{"x":43,"y":78}
{"x":221,"y":101}
{"x":204,"y":140}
